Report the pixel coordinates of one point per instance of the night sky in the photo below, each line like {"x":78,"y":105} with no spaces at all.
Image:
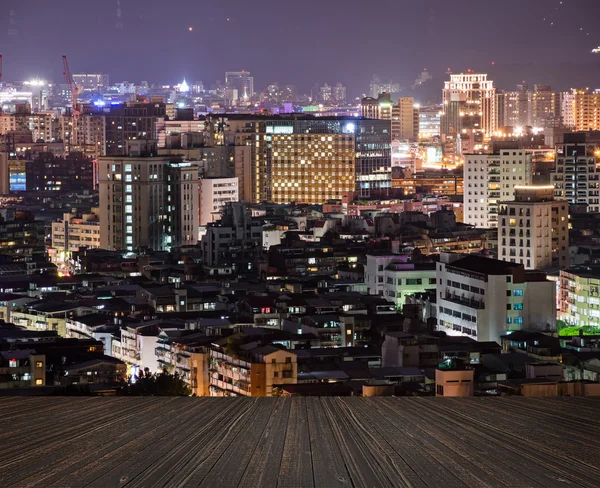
{"x":303,"y":42}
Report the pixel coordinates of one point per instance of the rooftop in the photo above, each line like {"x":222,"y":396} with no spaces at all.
{"x":292,"y":442}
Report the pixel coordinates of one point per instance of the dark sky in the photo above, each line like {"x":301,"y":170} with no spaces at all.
{"x":308,"y":41}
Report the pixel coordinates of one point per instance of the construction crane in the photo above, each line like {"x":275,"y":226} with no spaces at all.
{"x":75,"y":111}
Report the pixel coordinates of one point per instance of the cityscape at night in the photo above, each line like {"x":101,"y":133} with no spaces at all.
{"x":300,"y":244}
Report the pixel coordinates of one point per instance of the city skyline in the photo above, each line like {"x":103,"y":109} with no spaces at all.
{"x":545,"y":42}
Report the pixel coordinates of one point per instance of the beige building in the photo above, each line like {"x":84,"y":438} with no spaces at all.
{"x":146,"y":200}
{"x":377,"y":108}
{"x":534,"y":230}
{"x":74,"y":232}
{"x":490,"y":179}
{"x":42,"y":126}
{"x":405,"y":120}
{"x":454,"y":383}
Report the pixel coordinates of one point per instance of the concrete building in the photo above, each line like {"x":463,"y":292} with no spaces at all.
{"x":215,"y":193}
{"x":147,"y":200}
{"x":404,"y":279}
{"x":580,"y":296}
{"x":454,"y":382}
{"x":577,"y":174}
{"x":482,"y":298}
{"x":475,"y":95}
{"x":533,"y":229}
{"x":22,"y":369}
{"x":490,"y":179}
{"x":429,"y":122}
{"x":377,"y":108}
{"x":74,"y":232}
{"x":405,"y":120}
{"x":43,"y":126}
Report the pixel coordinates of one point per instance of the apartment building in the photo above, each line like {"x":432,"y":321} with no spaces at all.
{"x":534,"y":229}
{"x":147,"y":200}
{"x":43,"y":126}
{"x":490,"y":179}
{"x":252,"y":372}
{"x":74,"y":232}
{"x":483,"y":298}
{"x":405,"y":120}
{"x":581,"y":109}
{"x":580,"y":296}
{"x":405,"y":279}
{"x":577,"y":174}
{"x":216,"y":193}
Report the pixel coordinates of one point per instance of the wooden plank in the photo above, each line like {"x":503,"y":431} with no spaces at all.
{"x":263,"y":468}
{"x":296,"y":470}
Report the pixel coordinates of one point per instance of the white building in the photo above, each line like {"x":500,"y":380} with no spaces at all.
{"x":375,"y":277}
{"x":577,"y":174}
{"x":484,"y":298}
{"x":533,"y":229}
{"x":490,"y":179}
{"x":406,"y":279}
{"x":215,"y":193}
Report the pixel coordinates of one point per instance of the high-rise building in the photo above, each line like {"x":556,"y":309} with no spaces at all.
{"x":377,"y":108}
{"x":516,"y":108}
{"x":91,"y":82}
{"x":47,"y":172}
{"x":533,"y":230}
{"x":474,"y":96}
{"x":339,"y":93}
{"x":41,"y":125}
{"x":242,"y":81}
{"x":378,"y":87}
{"x":405,"y":120}
{"x":429,"y":122}
{"x":581,"y":109}
{"x":577,"y":172}
{"x":325,"y":93}
{"x":490,"y":179}
{"x":484,"y":298}
{"x":147,"y":201}
{"x":312,"y":159}
{"x":545,"y":106}
{"x":129,"y":122}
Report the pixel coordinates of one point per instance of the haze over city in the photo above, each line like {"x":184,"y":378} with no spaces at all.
{"x":303,"y":43}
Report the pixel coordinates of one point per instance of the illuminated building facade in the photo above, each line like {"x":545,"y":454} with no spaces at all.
{"x":429,"y":123}
{"x":472,"y":95}
{"x":429,"y":184}
{"x":377,"y":108}
{"x":74,"y":232}
{"x":580,"y":296}
{"x":405,"y":120}
{"x":313,"y":159}
{"x":147,"y":201}
{"x":577,"y":174}
{"x":581,"y":109}
{"x":242,"y":81}
{"x":533,"y":229}
{"x":91,"y":81}
{"x":42,"y":126}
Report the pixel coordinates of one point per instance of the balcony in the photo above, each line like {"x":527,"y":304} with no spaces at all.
{"x":463,"y":300}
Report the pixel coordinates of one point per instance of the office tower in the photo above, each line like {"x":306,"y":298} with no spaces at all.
{"x":339,"y":93}
{"x":577,"y":174}
{"x":147,"y":201}
{"x":312,"y":159}
{"x":91,"y":82}
{"x":405,"y":120}
{"x":429,"y":122}
{"x":242,"y":81}
{"x":377,"y":108}
{"x":490,"y":179}
{"x":215,"y":194}
{"x":533,"y":230}
{"x":482,"y":298}
{"x":469,"y":95}
{"x":325,"y":93}
{"x":581,"y":109}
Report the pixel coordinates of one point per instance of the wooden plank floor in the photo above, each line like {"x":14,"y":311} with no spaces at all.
{"x":299,"y":442}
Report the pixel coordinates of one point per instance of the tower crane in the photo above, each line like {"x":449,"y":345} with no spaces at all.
{"x":76,"y":110}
